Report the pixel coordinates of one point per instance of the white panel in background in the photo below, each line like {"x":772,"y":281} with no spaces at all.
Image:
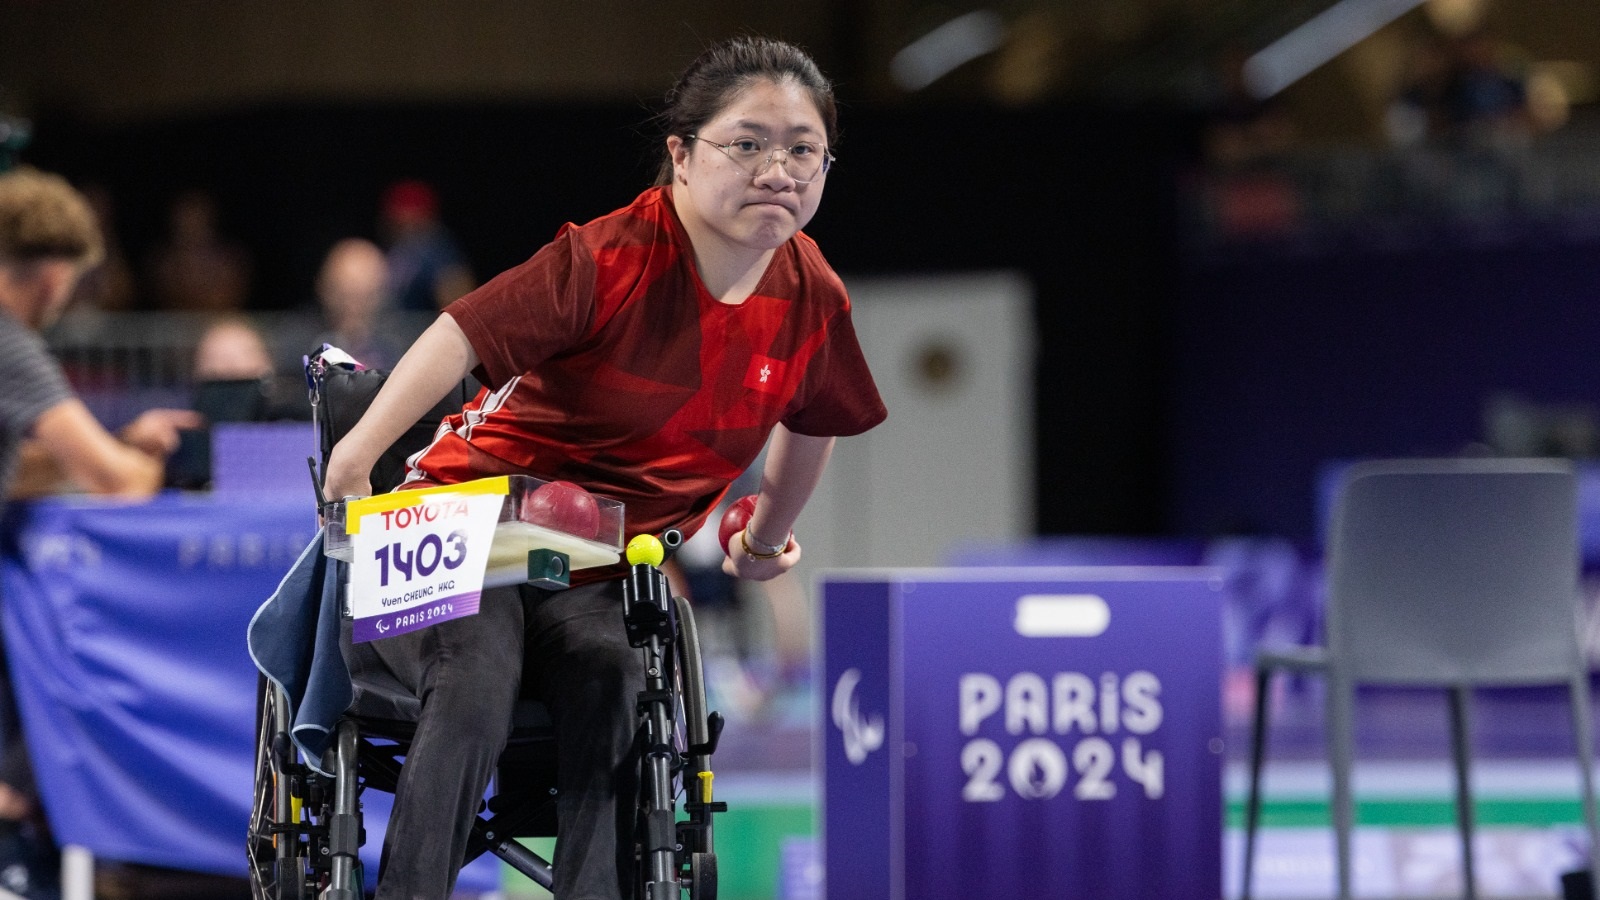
{"x":953,"y":359}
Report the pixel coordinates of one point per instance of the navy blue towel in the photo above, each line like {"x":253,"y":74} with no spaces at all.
{"x":294,"y":641}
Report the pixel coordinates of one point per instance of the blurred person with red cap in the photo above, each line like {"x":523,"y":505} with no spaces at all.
{"x":426,"y":268}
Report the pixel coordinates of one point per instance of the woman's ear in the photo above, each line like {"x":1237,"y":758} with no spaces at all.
{"x":678,"y":151}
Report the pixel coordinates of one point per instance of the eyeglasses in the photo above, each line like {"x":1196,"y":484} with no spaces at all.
{"x":805,"y":161}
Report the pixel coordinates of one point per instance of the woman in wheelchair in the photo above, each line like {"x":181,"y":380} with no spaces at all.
{"x":648,"y":356}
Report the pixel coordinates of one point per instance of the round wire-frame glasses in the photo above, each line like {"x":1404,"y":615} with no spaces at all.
{"x":805,"y":161}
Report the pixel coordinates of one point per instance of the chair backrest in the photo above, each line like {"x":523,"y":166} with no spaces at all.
{"x":1455,"y":571}
{"x":343,"y":395}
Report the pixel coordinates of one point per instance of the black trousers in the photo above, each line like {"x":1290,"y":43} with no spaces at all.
{"x":571,"y":650}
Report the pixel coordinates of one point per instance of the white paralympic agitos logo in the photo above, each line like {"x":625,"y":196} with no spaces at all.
{"x":861,"y":736}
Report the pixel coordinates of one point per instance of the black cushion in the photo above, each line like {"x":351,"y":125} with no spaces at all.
{"x":345,"y":397}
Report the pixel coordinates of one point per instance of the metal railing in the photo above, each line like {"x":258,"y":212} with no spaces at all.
{"x":124,"y":363}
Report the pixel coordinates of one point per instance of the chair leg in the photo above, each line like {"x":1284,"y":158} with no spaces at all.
{"x":1460,"y":735}
{"x":77,"y":873}
{"x":1341,"y":757}
{"x":1252,"y":806}
{"x":1581,"y":724}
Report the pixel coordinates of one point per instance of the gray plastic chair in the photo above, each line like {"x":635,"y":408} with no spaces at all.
{"x":1452,"y":573}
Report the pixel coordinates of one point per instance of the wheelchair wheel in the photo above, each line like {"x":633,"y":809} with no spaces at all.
{"x":697,"y":736}
{"x":691,"y":685}
{"x":277,"y":867}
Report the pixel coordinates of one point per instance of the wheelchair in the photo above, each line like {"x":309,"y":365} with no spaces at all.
{"x":305,"y":827}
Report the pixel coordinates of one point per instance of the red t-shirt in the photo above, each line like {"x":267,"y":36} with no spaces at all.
{"x":607,"y":363}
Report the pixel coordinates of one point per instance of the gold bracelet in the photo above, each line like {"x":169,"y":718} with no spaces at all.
{"x":744,"y":541}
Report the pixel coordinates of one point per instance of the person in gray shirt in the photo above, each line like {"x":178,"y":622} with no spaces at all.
{"x":48,"y":239}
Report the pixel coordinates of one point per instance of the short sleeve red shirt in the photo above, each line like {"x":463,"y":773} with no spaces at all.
{"x":607,"y":363}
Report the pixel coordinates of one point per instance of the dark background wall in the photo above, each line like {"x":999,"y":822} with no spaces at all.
{"x":1179,"y":389}
{"x":1292,"y":360}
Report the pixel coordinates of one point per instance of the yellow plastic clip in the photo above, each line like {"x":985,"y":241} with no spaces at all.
{"x":705,"y":787}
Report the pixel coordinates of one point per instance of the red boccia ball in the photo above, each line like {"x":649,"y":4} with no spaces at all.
{"x":563,"y":506}
{"x":734,"y":520}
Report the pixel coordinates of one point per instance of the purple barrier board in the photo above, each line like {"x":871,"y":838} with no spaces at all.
{"x":124,"y":624}
{"x":1040,"y":732}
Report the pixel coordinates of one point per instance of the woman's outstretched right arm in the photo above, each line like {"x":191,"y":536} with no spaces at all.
{"x":437,"y":362}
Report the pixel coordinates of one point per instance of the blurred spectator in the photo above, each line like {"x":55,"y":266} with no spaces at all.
{"x":14,"y":135}
{"x":1245,"y":139}
{"x":1418,"y":111}
{"x":1243,"y":130}
{"x":196,"y":269}
{"x":1460,"y":87}
{"x":352,"y":290}
{"x":1484,"y":90}
{"x":426,"y":268}
{"x":48,"y":239}
{"x":231,"y":349}
{"x":110,"y":285}
{"x":1514,"y":425}
{"x":236,"y":380}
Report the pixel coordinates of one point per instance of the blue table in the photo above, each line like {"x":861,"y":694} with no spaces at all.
{"x":125,"y":628}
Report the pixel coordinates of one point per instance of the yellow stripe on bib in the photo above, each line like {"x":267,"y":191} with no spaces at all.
{"x":355,"y":510}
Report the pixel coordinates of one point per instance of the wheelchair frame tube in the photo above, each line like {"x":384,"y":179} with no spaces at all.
{"x":284,"y":843}
{"x":344,"y":839}
{"x":525,"y":861}
{"x":660,"y":830}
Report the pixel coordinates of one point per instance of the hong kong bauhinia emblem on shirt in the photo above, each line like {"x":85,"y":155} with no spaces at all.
{"x":765,"y":374}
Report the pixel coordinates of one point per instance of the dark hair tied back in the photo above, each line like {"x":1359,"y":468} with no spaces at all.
{"x":722,"y":70}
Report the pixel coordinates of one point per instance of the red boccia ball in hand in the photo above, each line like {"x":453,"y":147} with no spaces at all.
{"x":734,"y":520}
{"x":563,"y":506}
